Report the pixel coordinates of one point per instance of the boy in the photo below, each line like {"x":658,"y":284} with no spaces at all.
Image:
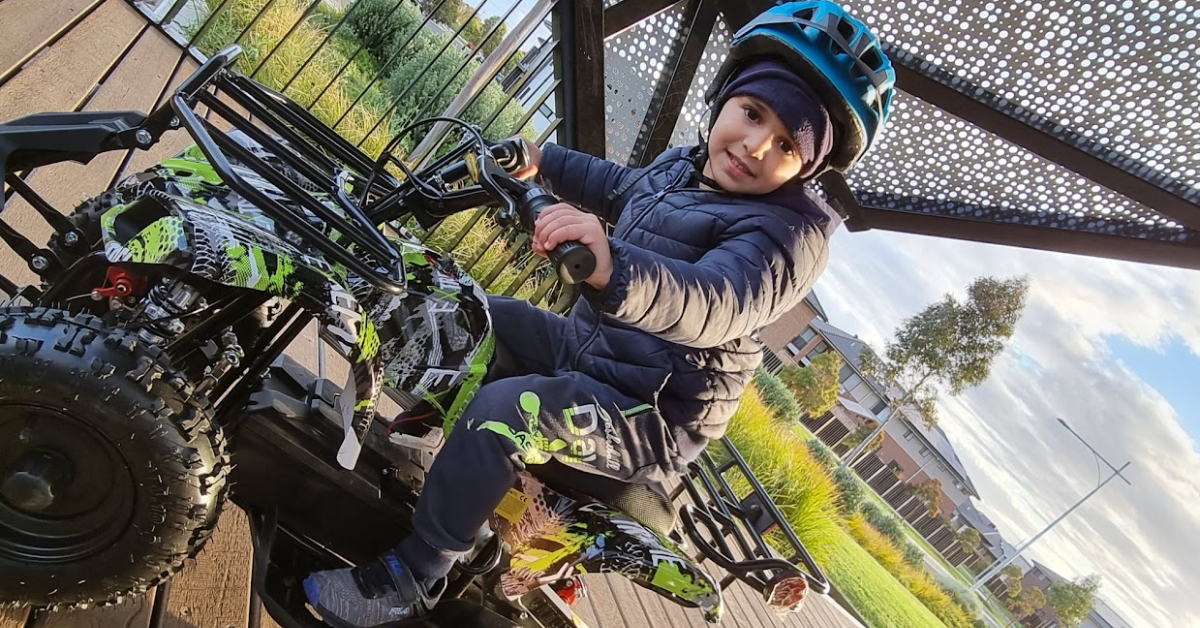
{"x":710,"y":244}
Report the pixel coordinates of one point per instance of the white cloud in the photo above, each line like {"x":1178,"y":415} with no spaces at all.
{"x":1028,"y":469}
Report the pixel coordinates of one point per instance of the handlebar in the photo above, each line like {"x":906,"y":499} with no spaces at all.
{"x":572,"y":261}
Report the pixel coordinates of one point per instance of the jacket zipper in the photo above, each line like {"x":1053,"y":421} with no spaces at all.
{"x":654,"y":200}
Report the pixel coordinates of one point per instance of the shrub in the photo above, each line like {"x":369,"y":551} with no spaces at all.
{"x":384,"y":28}
{"x":776,"y":395}
{"x":918,"y":581}
{"x":823,"y":454}
{"x":885,"y":522}
{"x":912,"y":554}
{"x":852,"y":490}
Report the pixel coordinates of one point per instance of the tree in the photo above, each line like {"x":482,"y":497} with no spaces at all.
{"x":930,"y":492}
{"x":1072,"y":601}
{"x":968,"y":538}
{"x":1034,"y":598}
{"x":950,"y":344}
{"x":486,"y":46}
{"x":1012,"y":576}
{"x":815,"y":385}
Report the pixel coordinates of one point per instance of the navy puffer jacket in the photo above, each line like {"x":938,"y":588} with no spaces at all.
{"x":695,"y":273}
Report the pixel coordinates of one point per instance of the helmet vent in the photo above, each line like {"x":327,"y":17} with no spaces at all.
{"x":805,"y":14}
{"x":872,"y":58}
{"x":845,"y":29}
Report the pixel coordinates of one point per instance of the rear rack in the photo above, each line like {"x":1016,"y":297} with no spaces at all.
{"x":745,"y":520}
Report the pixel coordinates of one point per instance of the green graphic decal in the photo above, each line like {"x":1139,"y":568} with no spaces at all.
{"x":191,"y":173}
{"x":471,"y":384}
{"x":668,"y":577}
{"x":259,"y":270}
{"x":632,"y":411}
{"x":368,"y":340}
{"x":533,"y":444}
{"x":155,"y":243}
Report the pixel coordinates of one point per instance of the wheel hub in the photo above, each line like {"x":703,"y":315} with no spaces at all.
{"x":30,"y":484}
{"x":66,"y":490}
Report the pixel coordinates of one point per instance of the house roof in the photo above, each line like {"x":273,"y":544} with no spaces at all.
{"x":856,"y":408}
{"x":851,"y":349}
{"x":1054,"y":576}
{"x":815,"y":303}
{"x":1106,"y":617}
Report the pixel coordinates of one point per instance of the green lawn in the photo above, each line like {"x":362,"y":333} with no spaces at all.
{"x":993,"y":605}
{"x":876,"y":594}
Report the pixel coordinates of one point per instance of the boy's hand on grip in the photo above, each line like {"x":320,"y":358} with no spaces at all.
{"x":565,"y":223}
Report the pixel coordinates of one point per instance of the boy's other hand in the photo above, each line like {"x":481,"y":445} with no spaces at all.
{"x":563,"y":223}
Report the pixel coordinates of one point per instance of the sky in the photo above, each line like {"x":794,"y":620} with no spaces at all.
{"x":1113,"y":348}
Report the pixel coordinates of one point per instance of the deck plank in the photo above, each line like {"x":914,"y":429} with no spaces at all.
{"x":172,"y":142}
{"x":213,"y":590}
{"x":135,"y":85}
{"x":29,"y":24}
{"x":62,"y":77}
{"x":133,"y":613}
{"x":604,"y":602}
{"x":13,"y":617}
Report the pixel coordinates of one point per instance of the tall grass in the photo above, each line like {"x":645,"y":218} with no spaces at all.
{"x":811,"y":503}
{"x":806,"y":496}
{"x":865,"y":564}
{"x":289,"y":59}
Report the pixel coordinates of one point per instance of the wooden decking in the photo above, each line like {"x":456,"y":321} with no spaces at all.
{"x":72,"y":55}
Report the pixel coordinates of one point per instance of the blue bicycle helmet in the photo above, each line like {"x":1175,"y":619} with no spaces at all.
{"x":839,"y":57}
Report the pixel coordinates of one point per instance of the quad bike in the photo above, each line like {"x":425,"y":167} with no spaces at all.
{"x":144,"y":376}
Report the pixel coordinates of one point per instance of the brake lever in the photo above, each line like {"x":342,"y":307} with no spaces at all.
{"x":493,"y":179}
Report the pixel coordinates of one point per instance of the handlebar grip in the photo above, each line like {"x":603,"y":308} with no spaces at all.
{"x":573,"y":262}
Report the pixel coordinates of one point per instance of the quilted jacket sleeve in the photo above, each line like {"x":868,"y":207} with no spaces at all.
{"x":749,"y":280}
{"x":584,"y":180}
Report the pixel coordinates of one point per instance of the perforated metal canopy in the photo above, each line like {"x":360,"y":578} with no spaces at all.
{"x":1071,"y":126}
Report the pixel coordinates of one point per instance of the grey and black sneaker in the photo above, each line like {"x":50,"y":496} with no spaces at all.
{"x":377,"y":594}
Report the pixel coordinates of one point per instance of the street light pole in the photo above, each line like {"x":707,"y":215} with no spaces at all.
{"x":995,"y":569}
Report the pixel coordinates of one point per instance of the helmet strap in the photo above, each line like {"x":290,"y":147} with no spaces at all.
{"x":699,"y":160}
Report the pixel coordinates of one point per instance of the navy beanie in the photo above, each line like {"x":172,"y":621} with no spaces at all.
{"x":793,"y":100}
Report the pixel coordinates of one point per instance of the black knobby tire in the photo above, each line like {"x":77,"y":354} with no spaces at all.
{"x":112,"y":472}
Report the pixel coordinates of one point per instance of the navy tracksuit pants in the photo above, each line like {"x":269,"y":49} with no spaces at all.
{"x":532,"y":409}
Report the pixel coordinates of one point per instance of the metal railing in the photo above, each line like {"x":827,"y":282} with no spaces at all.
{"x":369,"y":67}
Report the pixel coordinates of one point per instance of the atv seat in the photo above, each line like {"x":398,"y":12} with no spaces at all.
{"x":648,"y":503}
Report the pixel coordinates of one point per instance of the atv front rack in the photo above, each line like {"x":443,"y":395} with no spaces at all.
{"x":316,"y":167}
{"x":309,"y":148}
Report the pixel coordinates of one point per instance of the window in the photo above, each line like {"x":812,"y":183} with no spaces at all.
{"x":817,"y":350}
{"x":941,"y":467}
{"x":805,"y":336}
{"x":852,"y":382}
{"x":877,"y":408}
{"x":908,"y":435}
{"x":846,"y":371}
{"x":924,"y":453}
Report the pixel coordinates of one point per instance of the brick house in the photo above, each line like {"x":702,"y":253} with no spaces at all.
{"x":910,"y":453}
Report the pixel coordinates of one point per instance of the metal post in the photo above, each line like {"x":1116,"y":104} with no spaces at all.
{"x":483,"y":76}
{"x":1001,"y":564}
